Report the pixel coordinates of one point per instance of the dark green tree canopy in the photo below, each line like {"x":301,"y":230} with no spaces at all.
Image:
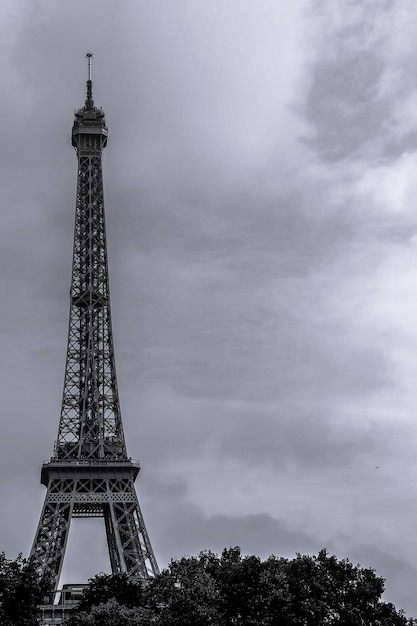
{"x":21,"y":592}
{"x":112,"y":613}
{"x":244,"y":590}
{"x":213,"y":590}
{"x":236,"y":590}
{"x":105,"y":587}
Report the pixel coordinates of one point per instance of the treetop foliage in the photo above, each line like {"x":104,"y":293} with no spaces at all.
{"x":213,"y":590}
{"x":236,"y":590}
{"x":105,"y":587}
{"x":21,"y":592}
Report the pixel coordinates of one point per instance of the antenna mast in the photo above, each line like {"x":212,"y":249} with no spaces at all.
{"x":89,"y":56}
{"x":89,"y":102}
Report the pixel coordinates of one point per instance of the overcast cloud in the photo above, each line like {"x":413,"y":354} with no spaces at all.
{"x":260,"y":185}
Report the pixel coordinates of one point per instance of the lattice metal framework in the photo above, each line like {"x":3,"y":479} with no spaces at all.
{"x":90,"y":474}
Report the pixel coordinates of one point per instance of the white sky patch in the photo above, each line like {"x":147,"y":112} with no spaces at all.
{"x":390,"y":186}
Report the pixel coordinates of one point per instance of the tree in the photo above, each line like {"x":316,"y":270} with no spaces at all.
{"x":113,"y":595}
{"x":236,"y":590}
{"x":21,"y":592}
{"x":112,"y":613}
{"x":245,"y":591}
{"x":312,"y":590}
{"x":184,"y":594}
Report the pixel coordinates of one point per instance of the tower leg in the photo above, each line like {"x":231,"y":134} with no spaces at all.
{"x":51,"y":538}
{"x":129,"y":537}
{"x":115,"y":550}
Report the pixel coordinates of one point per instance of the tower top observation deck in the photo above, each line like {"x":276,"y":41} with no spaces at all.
{"x":89,"y":119}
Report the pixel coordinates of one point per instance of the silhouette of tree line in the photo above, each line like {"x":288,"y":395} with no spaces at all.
{"x":225,"y":590}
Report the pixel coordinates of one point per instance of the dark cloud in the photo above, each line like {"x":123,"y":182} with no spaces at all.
{"x":255,"y":534}
{"x":342,"y":105}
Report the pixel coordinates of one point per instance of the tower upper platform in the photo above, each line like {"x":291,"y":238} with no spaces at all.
{"x":89,"y":119}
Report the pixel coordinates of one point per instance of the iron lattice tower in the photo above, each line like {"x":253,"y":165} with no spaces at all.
{"x":90,"y":474}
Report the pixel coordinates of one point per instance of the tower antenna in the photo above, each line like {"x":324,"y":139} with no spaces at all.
{"x":89,"y":56}
{"x":89,"y":102}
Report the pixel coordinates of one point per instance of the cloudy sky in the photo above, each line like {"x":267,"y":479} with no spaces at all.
{"x":261,"y":204}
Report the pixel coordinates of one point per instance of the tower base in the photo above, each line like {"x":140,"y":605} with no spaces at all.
{"x":63,"y":601}
{"x":91,"y":489}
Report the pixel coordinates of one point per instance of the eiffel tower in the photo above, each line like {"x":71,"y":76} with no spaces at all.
{"x":90,"y":474}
